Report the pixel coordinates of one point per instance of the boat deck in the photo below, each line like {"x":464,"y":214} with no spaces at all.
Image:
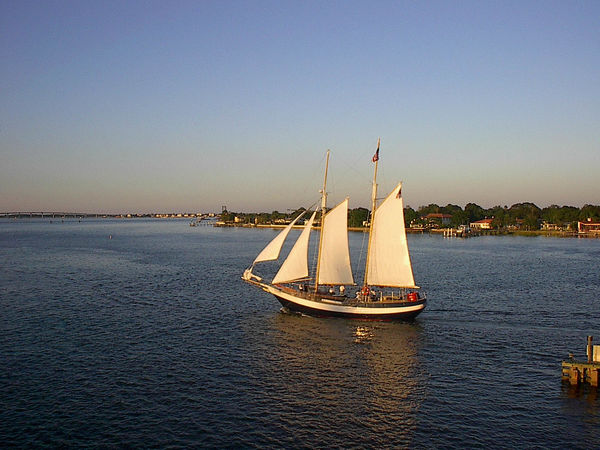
{"x":343,"y":299}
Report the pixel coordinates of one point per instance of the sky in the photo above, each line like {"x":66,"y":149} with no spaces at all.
{"x":188,"y":106}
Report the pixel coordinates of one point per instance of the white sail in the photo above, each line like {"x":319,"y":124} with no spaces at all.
{"x":295,"y":266}
{"x":334,"y":257}
{"x":389,"y":262}
{"x":271,"y":251}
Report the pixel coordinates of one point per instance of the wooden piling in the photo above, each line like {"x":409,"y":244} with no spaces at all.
{"x":577,"y":372}
{"x":574,"y":376}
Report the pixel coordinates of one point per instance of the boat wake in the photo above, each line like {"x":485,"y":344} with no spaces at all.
{"x":284,"y":310}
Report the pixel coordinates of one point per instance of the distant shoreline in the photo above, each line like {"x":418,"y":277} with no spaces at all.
{"x":532,"y":233}
{"x":209,"y":222}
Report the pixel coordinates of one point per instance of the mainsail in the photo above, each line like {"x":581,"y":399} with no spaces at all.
{"x":271,"y":251}
{"x":388,"y":259}
{"x":334,"y":257}
{"x":295,"y":266}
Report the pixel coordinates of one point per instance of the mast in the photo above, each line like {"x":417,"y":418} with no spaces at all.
{"x":373,"y":205}
{"x":323,"y":208}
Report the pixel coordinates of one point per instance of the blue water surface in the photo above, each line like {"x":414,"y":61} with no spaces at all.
{"x":141,"y":333}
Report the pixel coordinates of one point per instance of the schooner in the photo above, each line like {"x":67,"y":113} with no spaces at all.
{"x":388,"y":291}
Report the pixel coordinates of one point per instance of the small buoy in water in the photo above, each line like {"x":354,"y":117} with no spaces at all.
{"x":110,"y":236}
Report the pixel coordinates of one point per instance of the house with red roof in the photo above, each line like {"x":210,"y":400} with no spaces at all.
{"x":483,"y":224}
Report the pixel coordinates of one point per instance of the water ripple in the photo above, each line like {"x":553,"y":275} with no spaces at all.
{"x":150,"y":339}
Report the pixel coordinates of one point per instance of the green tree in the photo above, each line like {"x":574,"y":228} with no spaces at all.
{"x":474,"y":212}
{"x":590,"y":212}
{"x":527,"y":211}
{"x":568,"y":214}
{"x":552,"y":214}
{"x":531,"y":222}
{"x":432,"y":208}
{"x":297,"y":212}
{"x":497,"y":223}
{"x":459,"y":217}
{"x":263,"y":218}
{"x":500,"y":215}
{"x":276,"y":215}
{"x":357,"y":216}
{"x":227,"y":216}
{"x":409,"y":215}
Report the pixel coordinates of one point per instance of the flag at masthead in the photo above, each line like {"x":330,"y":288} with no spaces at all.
{"x":376,"y":155}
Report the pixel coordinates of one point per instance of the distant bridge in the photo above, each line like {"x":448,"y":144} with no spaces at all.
{"x":47,"y":214}
{"x":80,"y":215}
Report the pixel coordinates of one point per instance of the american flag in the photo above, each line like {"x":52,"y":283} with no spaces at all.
{"x":376,"y":155}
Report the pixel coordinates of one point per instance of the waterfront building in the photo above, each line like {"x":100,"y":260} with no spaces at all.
{"x":588,"y":227}
{"x":443,"y":219}
{"x":484,"y":224}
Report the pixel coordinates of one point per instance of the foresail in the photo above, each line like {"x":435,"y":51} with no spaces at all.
{"x":389,"y":261}
{"x":271,"y":251}
{"x":334,"y":257}
{"x":295,"y":266}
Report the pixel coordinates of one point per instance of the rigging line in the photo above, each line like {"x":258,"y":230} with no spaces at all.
{"x":363,"y":187}
{"x":356,"y":161}
{"x":313,"y":266}
{"x":312,"y":270}
{"x":314,"y":205}
{"x":312,"y":172}
{"x":337,"y":181}
{"x":360,"y":255}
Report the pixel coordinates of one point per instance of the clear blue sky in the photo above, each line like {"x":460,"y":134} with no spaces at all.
{"x":144,"y":106}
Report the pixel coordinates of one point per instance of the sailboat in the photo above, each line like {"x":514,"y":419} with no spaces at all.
{"x":388,"y":291}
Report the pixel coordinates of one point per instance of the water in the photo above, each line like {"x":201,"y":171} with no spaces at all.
{"x":151,"y":339}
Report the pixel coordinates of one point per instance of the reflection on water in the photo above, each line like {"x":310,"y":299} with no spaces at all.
{"x":363,"y":335}
{"x":581,"y":392}
{"x":582,"y":401}
{"x":369,"y":375}
{"x":397,"y":381}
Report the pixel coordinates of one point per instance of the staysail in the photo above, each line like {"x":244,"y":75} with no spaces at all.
{"x":388,"y":259}
{"x":271,"y":251}
{"x":334,"y":257}
{"x":295,"y":266}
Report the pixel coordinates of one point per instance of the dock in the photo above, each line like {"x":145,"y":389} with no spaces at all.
{"x":580,"y":372}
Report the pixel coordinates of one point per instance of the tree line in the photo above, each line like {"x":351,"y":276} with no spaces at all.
{"x":525,"y":215}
